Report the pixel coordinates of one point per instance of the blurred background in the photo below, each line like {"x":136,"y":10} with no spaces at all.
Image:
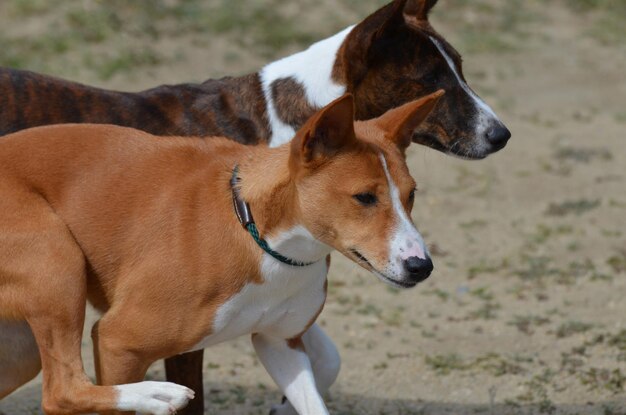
{"x":525,"y":312}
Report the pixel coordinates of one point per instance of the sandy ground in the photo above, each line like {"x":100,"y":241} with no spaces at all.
{"x":525,"y":312}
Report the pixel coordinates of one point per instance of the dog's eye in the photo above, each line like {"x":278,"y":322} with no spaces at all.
{"x":412,"y":195}
{"x":366,"y":199}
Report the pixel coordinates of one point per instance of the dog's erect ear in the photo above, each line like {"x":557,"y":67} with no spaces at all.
{"x":355,"y":56}
{"x":400,"y":123}
{"x":326,"y":132}
{"x":418,"y":9}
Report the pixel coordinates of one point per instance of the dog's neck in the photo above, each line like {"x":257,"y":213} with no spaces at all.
{"x":266,"y":184}
{"x":298,"y":85}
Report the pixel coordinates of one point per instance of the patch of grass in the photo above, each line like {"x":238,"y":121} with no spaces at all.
{"x":590,"y":5}
{"x":608,"y":18}
{"x":474,"y":224}
{"x":93,"y":26}
{"x":370,"y":310}
{"x":544,"y":232}
{"x":26,"y":8}
{"x":492,"y":363}
{"x":618,"y":262}
{"x":445,"y":364}
{"x":268,"y":29}
{"x":485,"y":312}
{"x":571,"y":363}
{"x":497,"y":27}
{"x":33,"y":53}
{"x":441,"y":294}
{"x":620,"y":117}
{"x":257,"y":26}
{"x":619,"y":341}
{"x":610,"y":380}
{"x":536,"y":391}
{"x":482,"y":293}
{"x":537,"y":267}
{"x":571,"y":328}
{"x":497,"y":366}
{"x":394,"y":318}
{"x":579,"y":269}
{"x":123,"y":61}
{"x":484,"y":267}
{"x":577,"y":207}
{"x":381,"y":366}
{"x":583,"y":155}
{"x":526,"y":324}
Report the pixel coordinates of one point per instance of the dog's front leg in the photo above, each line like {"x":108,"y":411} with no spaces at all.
{"x":325,"y":362}
{"x":290,"y":367}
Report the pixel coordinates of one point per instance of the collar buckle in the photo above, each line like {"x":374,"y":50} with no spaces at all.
{"x":242,"y":210}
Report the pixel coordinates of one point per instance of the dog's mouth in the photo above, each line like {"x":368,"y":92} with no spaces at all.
{"x":455,"y":148}
{"x":360,"y":259}
{"x":429,"y":140}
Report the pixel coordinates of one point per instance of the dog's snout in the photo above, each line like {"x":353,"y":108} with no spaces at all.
{"x":418,"y":269}
{"x":498,"y":135}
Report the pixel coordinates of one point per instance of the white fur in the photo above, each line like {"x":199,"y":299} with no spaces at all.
{"x":313,"y":69}
{"x":291,"y":370}
{"x":406,"y":241}
{"x":281,"y":308}
{"x":289,"y":297}
{"x":325,"y":363}
{"x":486,"y":116}
{"x":157,"y":398}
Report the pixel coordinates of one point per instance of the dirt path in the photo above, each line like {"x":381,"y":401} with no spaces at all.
{"x":525,"y":313}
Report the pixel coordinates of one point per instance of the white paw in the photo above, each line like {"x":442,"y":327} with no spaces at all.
{"x":156,"y":398}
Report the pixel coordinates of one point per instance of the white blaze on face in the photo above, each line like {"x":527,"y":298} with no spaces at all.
{"x":406,"y":241}
{"x":486,"y":116}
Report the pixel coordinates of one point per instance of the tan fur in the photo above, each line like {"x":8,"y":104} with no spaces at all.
{"x":144,"y":228}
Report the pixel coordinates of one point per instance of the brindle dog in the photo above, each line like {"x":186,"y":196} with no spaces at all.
{"x":394,"y":56}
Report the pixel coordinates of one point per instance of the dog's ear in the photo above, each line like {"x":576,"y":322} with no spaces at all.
{"x":400,"y":123}
{"x":326,"y":132}
{"x":356,"y":54}
{"x":418,"y":9}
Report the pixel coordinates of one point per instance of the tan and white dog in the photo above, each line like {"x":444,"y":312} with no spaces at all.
{"x":144,"y":228}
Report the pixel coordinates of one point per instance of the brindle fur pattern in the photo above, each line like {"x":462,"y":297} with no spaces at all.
{"x":232,"y":107}
{"x":290,"y":101}
{"x":387,"y":60}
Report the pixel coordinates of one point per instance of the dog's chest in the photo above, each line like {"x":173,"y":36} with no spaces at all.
{"x":282,"y":306}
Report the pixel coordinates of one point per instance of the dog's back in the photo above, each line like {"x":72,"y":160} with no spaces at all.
{"x":99,"y":179}
{"x":230,"y":106}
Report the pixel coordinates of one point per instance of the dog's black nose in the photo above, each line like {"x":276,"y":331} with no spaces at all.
{"x":419,"y":269}
{"x":498,"y":135}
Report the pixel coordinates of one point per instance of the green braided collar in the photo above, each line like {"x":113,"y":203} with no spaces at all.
{"x":242,"y":210}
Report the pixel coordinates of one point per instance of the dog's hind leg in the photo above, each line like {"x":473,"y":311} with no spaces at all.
{"x":19,"y":356}
{"x":122,"y":357}
{"x":43,"y":281}
{"x":325,"y":362}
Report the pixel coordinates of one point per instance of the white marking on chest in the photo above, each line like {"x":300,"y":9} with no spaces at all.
{"x":313,"y":69}
{"x":289,"y":297}
{"x":406,"y":241}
